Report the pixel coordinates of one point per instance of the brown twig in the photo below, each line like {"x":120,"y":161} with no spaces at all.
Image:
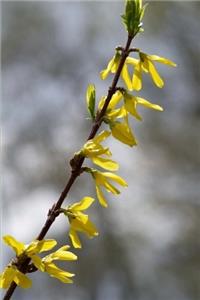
{"x":77,"y":164}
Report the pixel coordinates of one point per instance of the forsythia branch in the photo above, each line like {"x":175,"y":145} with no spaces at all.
{"x":27,"y":256}
{"x":75,"y":172}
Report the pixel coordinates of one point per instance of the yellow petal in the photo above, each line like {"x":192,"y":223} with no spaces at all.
{"x":91,"y":149}
{"x":162,"y":60}
{"x":126,"y":77}
{"x":130,"y":105}
{"x":111,"y":188}
{"x":46,"y":245}
{"x":116,"y":98}
{"x":114,"y":67}
{"x":55,"y":255}
{"x":86,"y":227}
{"x":79,"y":218}
{"x":155,"y":75}
{"x":79,"y":226}
{"x":116,"y":62}
{"x":117,"y":113}
{"x":63,"y":255}
{"x":148,"y":104}
{"x":101,"y":137}
{"x":115,"y":178}
{"x":101,"y":102}
{"x":58,"y":273}
{"x":37,"y":261}
{"x":98,"y":176}
{"x":105,"y":163}
{"x":90,"y":229}
{"x":32,"y":248}
{"x":18,"y":247}
{"x":101,"y":197}
{"x":22,"y":280}
{"x":63,"y":248}
{"x":74,"y":239}
{"x":137,"y":77}
{"x":105,"y":72}
{"x":40,"y":246}
{"x":85,"y":203}
{"x":62,"y":278}
{"x":7,"y":277}
{"x":132,"y":61}
{"x":52,"y":269}
{"x":121,"y":132}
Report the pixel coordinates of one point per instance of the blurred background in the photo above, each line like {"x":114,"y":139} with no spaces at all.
{"x":149,"y":242}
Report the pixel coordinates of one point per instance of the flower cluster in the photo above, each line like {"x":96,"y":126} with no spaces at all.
{"x":80,"y":222}
{"x":12,"y":271}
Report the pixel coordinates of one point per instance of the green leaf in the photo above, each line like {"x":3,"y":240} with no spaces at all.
{"x":143,"y":11}
{"x":90,"y":100}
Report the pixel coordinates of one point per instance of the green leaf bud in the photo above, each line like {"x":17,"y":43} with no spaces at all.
{"x":90,"y":100}
{"x":134,"y":12}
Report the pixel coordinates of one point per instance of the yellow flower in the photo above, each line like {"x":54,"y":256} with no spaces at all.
{"x":112,"y":68}
{"x":102,"y":179}
{"x":53,"y":270}
{"x":79,"y":221}
{"x":10,"y":274}
{"x":30,"y":250}
{"x":120,"y":131}
{"x":93,"y":150}
{"x":131,"y":102}
{"x":146,"y":64}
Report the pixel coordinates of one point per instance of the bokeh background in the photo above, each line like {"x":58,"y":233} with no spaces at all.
{"x":149,"y":242}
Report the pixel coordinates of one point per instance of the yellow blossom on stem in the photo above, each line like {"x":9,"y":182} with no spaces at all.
{"x":80,"y":222}
{"x":131,"y":102}
{"x":94,"y":150}
{"x":102,"y":179}
{"x":49,"y":266}
{"x":146,"y":64}
{"x":112,"y":68}
{"x":120,"y":130}
{"x":31,"y":249}
{"x":10,"y":274}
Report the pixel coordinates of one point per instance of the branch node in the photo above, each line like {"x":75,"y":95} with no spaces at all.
{"x":133,"y":50}
{"x":121,"y":89}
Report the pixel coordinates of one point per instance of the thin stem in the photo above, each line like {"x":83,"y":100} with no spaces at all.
{"x":76,"y":170}
{"x":10,"y":291}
